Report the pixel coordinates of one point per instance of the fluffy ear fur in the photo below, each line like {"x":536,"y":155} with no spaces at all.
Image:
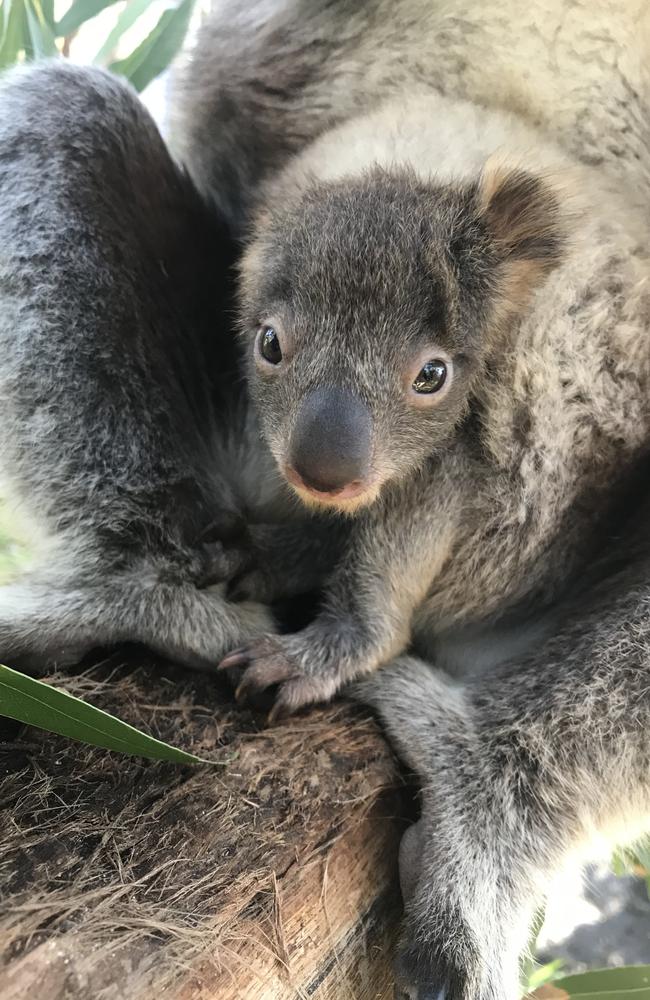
{"x":525,"y":223}
{"x":523,"y":214}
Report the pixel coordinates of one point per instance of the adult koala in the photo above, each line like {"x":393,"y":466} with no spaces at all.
{"x":444,"y":297}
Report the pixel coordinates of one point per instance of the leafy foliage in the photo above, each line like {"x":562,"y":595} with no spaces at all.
{"x":29,"y":30}
{"x":634,"y":861}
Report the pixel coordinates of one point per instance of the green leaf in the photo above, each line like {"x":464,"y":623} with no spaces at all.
{"x":40,"y":704}
{"x":128,"y":16}
{"x":158,"y":49}
{"x":620,"y":862}
{"x":632,"y":860}
{"x":629,"y":983}
{"x":79,"y":12}
{"x":47,"y":7}
{"x":14,"y":31}
{"x":41,"y":43}
{"x":545,"y":974}
{"x":641,"y":852}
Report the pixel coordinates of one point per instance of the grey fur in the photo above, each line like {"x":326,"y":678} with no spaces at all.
{"x":350,"y":141}
{"x":500,"y":519}
{"x":127,"y":441}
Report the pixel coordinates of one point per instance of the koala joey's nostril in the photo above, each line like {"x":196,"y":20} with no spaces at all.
{"x":332,"y":439}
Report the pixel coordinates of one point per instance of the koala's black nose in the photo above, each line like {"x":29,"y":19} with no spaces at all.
{"x":331,"y":442}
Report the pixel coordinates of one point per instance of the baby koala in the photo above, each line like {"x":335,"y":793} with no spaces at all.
{"x":448,"y":345}
{"x":383,"y":300}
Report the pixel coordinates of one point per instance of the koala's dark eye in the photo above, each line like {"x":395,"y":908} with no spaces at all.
{"x":431,"y":377}
{"x":270,"y":345}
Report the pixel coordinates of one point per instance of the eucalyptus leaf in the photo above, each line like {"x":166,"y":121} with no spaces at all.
{"x":41,"y":43}
{"x":39,"y":704}
{"x":631,"y":982}
{"x":78,"y":13}
{"x":47,"y":7}
{"x":545,"y":974}
{"x":127,"y":18}
{"x":158,"y":49}
{"x":642,"y":854}
{"x":14,"y":31}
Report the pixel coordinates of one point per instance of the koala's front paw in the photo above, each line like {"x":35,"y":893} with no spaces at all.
{"x":279,"y":660}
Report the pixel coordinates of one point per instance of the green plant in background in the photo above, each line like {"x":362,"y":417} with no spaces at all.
{"x":30,"y":30}
{"x":634,"y":860}
{"x":631,"y":983}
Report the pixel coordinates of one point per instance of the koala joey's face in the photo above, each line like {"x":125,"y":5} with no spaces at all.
{"x":369,"y":308}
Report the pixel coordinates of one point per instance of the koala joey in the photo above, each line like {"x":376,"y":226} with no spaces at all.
{"x":443,"y":301}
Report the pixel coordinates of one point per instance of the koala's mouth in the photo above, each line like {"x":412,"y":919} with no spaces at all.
{"x":359,"y":492}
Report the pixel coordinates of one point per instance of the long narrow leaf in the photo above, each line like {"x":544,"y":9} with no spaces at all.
{"x":40,"y":35}
{"x":39,"y":704}
{"x":126,"y":20}
{"x":158,"y":49}
{"x":47,"y":7}
{"x":80,"y":12}
{"x":629,"y":983}
{"x":642,"y":854}
{"x":14,"y":31}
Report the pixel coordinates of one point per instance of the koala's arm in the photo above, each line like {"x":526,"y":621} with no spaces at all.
{"x":394,"y":551}
{"x":519,"y":770}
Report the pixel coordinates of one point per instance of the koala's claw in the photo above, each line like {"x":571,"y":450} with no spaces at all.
{"x":268,"y":662}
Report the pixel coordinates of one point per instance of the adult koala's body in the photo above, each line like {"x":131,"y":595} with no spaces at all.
{"x":445,"y":291}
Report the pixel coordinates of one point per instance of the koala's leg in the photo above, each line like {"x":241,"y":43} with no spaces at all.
{"x":112,"y":284}
{"x":518,"y":771}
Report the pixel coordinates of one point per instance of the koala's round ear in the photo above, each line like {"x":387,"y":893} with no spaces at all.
{"x":525,"y":223}
{"x":523,"y":215}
